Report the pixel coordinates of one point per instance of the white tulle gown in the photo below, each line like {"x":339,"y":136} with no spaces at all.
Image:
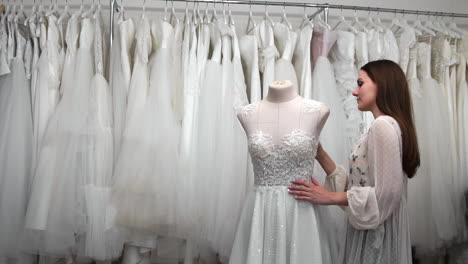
{"x":67,"y":212}
{"x":144,"y":191}
{"x":274,"y":227}
{"x":231,"y":148}
{"x":16,"y":134}
{"x":431,"y":211}
{"x":333,"y":136}
{"x":121,"y":74}
{"x":441,"y":62}
{"x":207,"y":141}
{"x":46,"y":91}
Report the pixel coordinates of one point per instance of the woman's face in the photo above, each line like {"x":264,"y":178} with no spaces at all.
{"x":365,"y":92}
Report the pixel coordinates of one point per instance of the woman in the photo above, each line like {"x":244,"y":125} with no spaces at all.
{"x":374,"y":191}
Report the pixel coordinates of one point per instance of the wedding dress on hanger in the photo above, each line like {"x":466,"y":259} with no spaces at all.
{"x":232,"y":147}
{"x":144,"y":191}
{"x":342,"y":56}
{"x":334,"y":135}
{"x":58,"y":226}
{"x":47,"y":92}
{"x":16,"y":146}
{"x":102,"y":240}
{"x":207,"y":141}
{"x":441,"y":60}
{"x":121,"y":74}
{"x":432,"y":214}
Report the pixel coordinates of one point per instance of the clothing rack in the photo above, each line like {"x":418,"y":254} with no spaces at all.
{"x":325,"y":7}
{"x":321,"y":8}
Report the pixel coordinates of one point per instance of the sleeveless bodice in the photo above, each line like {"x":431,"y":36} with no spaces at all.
{"x":424,"y":60}
{"x":322,"y":42}
{"x":375,"y":44}
{"x":344,"y":48}
{"x":362,"y":54}
{"x":293,"y":157}
{"x":279,"y":164}
{"x":87,"y":34}
{"x":441,"y":55}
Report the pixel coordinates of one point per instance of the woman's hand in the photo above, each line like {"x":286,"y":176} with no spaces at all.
{"x":315,"y":193}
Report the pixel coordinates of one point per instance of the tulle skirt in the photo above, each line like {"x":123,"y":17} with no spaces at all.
{"x":67,"y":211}
{"x":146,"y":170}
{"x":275,"y":228}
{"x":15,"y":155}
{"x":431,"y":209}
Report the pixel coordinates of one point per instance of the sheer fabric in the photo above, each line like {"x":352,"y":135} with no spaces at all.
{"x":378,"y":229}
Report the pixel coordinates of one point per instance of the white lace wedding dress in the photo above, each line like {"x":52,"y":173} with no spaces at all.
{"x":431,"y":212}
{"x":274,"y":227}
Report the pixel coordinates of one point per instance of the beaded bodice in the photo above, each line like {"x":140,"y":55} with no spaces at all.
{"x":279,"y":164}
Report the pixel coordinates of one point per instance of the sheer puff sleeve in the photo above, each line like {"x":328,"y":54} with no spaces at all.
{"x":369,"y":206}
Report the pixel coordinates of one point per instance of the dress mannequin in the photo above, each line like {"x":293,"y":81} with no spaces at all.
{"x":283,"y":134}
{"x":280,"y":111}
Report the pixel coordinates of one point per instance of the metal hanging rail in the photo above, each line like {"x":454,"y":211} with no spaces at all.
{"x":325,"y":7}
{"x":322,"y":7}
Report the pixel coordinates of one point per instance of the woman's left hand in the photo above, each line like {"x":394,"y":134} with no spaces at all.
{"x":312,"y":192}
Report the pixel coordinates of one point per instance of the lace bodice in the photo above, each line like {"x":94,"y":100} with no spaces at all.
{"x":322,"y":42}
{"x":424,"y":60}
{"x":279,"y":164}
{"x":441,"y":55}
{"x":412,"y":65}
{"x":291,"y":155}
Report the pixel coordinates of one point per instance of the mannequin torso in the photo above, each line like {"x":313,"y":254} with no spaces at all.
{"x":282,"y":112}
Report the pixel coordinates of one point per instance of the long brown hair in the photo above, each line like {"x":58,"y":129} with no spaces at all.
{"x":393,"y":99}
